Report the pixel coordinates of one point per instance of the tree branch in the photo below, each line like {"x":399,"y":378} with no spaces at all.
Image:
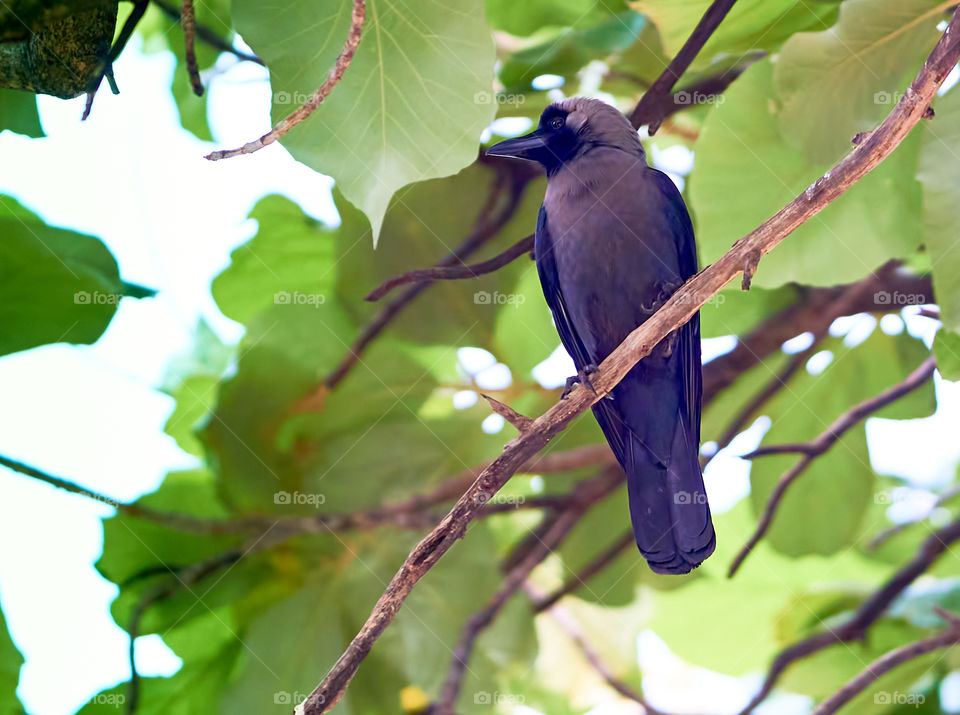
{"x":812,"y":450}
{"x":855,"y":628}
{"x":649,"y":110}
{"x":585,"y":494}
{"x":188,"y":20}
{"x":881,"y":538}
{"x":206,"y":34}
{"x":948,"y":638}
{"x":308,"y":107}
{"x":447,"y":273}
{"x":684,"y":303}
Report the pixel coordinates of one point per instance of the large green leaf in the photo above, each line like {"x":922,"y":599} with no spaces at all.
{"x":852,"y":73}
{"x":55,"y":285}
{"x":941,"y":203}
{"x":527,"y":18}
{"x":741,"y":152}
{"x":410,"y":107}
{"x":10,"y":663}
{"x":748,"y":26}
{"x":18,"y":112}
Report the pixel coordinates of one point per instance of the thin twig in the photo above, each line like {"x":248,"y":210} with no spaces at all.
{"x":855,"y":628}
{"x":188,"y":20}
{"x":812,"y":450}
{"x":207,"y":35}
{"x":126,"y":32}
{"x":948,"y":638}
{"x":448,"y":273}
{"x":587,"y":493}
{"x":684,"y":303}
{"x":569,"y":625}
{"x":307,"y":108}
{"x":604,"y":559}
{"x":649,"y":110}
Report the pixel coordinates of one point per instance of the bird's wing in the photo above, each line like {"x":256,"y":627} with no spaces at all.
{"x":547,"y":269}
{"x":688,"y":335}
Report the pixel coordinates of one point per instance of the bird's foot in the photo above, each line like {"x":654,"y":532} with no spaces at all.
{"x":582,"y":377}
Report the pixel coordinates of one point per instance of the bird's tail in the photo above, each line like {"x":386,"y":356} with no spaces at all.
{"x":668,"y":506}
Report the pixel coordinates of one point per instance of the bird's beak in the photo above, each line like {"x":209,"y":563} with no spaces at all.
{"x":525,"y":147}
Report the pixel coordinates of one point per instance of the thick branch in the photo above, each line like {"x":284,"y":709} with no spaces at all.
{"x":649,"y":110}
{"x":948,"y":638}
{"x":855,"y":628}
{"x":812,"y":450}
{"x":323,"y":91}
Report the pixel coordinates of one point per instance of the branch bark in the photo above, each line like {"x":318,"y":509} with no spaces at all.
{"x":812,"y":450}
{"x":674,"y":313}
{"x":304,"y":111}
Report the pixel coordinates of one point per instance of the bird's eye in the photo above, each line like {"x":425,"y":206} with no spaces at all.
{"x":556,"y":123}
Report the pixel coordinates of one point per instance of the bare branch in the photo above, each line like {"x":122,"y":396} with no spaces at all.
{"x":880,"y":539}
{"x":812,"y":450}
{"x":855,"y":628}
{"x":519,"y":421}
{"x":604,"y":559}
{"x":684,"y":303}
{"x":568,"y":624}
{"x":586,"y":494}
{"x":188,"y":21}
{"x":206,"y":34}
{"x":948,"y":638}
{"x":308,"y":107}
{"x":447,"y":273}
{"x":649,"y":110}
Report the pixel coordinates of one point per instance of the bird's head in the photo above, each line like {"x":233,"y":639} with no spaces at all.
{"x":569,"y":129}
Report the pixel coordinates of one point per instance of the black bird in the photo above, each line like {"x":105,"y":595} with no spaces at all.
{"x":613,"y":242}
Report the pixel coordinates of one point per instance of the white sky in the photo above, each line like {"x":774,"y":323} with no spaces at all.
{"x":133,"y":177}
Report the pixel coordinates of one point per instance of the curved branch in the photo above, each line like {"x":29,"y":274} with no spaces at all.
{"x":855,"y":628}
{"x":449,"y":273}
{"x":684,"y":303}
{"x":948,"y":638}
{"x":812,"y":450}
{"x":308,"y":107}
{"x":206,"y":34}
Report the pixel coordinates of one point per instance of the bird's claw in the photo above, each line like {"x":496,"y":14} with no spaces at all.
{"x":582,"y":377}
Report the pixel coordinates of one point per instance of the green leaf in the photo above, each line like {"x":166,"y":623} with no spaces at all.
{"x":741,"y":152}
{"x":289,"y":262}
{"x":527,"y":18}
{"x":425,"y":222}
{"x":941,"y":203}
{"x":410,"y":107}
{"x":748,"y":26}
{"x":10,"y":664}
{"x":18,"y":112}
{"x":852,"y":73}
{"x":55,"y":285}
{"x":946,"y":346}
